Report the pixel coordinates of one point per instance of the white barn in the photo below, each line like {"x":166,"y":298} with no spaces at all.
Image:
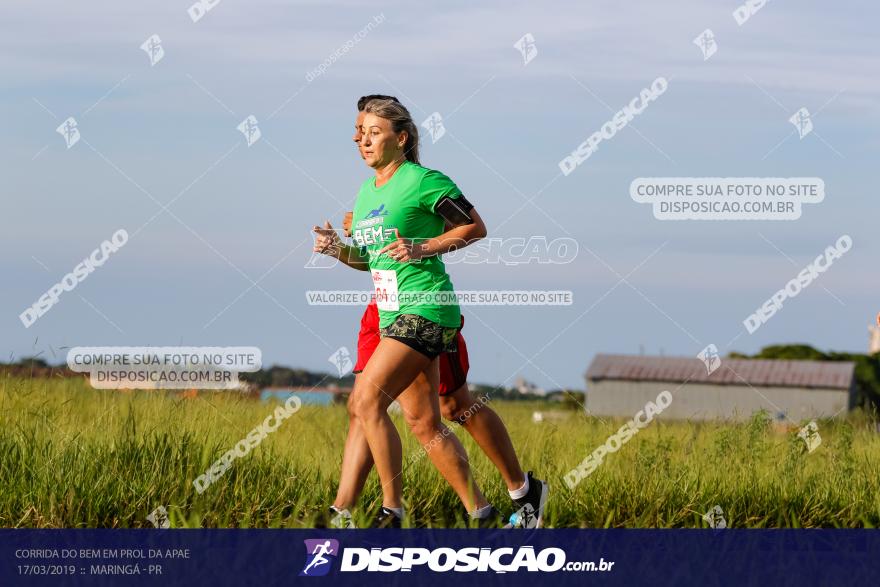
{"x":621,"y":385}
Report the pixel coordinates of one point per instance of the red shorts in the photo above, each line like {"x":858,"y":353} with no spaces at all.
{"x":453,"y":366}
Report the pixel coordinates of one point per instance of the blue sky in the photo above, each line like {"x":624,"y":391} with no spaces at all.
{"x":243,"y":214}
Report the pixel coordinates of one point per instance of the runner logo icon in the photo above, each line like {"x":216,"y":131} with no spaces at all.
{"x":380,"y":211}
{"x":319,"y":555}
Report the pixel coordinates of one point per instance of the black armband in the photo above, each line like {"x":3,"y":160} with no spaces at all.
{"x":455,"y":211}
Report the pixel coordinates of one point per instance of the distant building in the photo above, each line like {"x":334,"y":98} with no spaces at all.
{"x":524,"y":387}
{"x":621,"y":385}
{"x":310,"y":396}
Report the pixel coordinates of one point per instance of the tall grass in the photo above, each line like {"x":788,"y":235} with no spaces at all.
{"x":72,"y":456}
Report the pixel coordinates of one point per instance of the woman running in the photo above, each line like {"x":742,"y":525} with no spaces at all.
{"x":528,"y":493}
{"x":416,"y":325}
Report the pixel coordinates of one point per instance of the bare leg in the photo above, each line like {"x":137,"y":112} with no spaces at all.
{"x":439,"y":442}
{"x":356,"y":463}
{"x":422,"y":413}
{"x":488,"y":431}
{"x":391,"y":369}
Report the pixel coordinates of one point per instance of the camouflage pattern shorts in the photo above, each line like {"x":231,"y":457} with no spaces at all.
{"x":429,"y":338}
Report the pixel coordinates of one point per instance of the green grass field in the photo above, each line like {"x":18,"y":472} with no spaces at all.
{"x":71,"y":456}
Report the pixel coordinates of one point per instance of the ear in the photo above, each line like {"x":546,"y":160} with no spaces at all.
{"x":402,"y":138}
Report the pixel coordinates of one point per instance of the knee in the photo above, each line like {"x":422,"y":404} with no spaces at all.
{"x":365,"y":406}
{"x":450,"y":409}
{"x":458,"y":411}
{"x":424,"y":428}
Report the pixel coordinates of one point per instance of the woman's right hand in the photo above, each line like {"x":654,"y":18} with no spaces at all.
{"x":327,"y":240}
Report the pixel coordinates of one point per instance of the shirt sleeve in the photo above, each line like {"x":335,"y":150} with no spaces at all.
{"x":434,"y":187}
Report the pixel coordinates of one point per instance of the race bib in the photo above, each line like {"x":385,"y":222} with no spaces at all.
{"x":385,"y":284}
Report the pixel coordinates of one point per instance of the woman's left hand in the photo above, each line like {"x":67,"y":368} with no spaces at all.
{"x":403,"y":250}
{"x":327,"y":240}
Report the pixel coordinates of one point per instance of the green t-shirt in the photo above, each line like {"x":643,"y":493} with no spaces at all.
{"x":404,"y":206}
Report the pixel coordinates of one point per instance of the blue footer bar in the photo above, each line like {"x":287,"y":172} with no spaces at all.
{"x":436,"y":557}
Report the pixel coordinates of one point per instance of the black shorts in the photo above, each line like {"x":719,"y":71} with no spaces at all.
{"x":419,"y":333}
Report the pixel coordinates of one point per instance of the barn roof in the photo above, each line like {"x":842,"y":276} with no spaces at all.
{"x":757,"y":372}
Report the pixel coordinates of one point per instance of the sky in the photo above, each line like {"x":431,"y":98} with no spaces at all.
{"x":220,"y":231}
